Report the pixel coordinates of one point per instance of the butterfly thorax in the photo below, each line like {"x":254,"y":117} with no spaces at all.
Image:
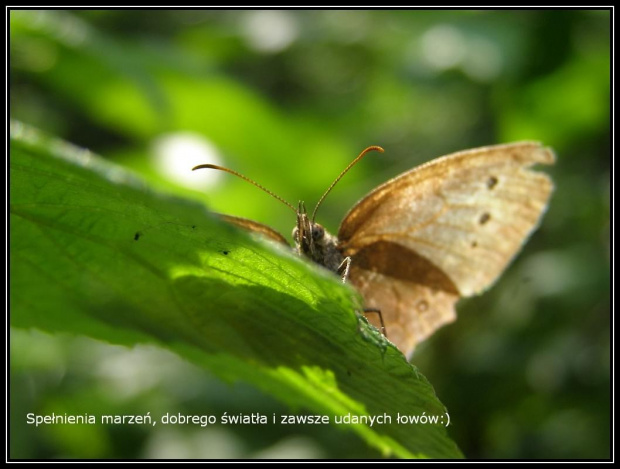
{"x":314,"y":242}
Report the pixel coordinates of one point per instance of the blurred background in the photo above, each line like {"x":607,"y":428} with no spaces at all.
{"x":289,"y":98}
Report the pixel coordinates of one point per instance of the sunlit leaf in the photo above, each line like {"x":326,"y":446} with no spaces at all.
{"x":94,"y":251}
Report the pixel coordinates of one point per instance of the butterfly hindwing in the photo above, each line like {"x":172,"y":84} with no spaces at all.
{"x":410,"y":311}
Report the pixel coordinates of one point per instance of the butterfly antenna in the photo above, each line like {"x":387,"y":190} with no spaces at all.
{"x":221,"y":168}
{"x":359,"y":157}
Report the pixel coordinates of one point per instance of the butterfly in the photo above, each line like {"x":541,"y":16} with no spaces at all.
{"x":418,"y":243}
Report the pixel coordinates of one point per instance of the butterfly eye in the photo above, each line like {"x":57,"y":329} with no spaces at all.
{"x":317,"y":232}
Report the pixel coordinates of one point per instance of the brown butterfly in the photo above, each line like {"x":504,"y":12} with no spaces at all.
{"x":416,"y":244}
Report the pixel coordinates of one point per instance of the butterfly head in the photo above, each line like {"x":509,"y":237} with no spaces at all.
{"x":308,"y":236}
{"x":315,"y":243}
{"x":311,"y":239}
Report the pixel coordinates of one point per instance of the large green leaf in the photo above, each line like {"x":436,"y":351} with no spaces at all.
{"x":94,"y":251}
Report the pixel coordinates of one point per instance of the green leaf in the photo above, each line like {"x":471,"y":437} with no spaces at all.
{"x":94,"y":251}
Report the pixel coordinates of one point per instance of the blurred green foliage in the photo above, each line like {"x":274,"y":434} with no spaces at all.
{"x":289,"y":98}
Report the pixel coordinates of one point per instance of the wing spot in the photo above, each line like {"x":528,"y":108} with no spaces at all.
{"x":485,"y":217}
{"x":491,"y":182}
{"x":474,"y":244}
{"x":422,"y":306}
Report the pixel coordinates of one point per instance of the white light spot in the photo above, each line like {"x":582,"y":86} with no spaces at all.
{"x":176,"y":154}
{"x":129,"y":372}
{"x":484,"y":60}
{"x":62,"y":25}
{"x":443,"y":47}
{"x":552,"y":272}
{"x":193,"y":442}
{"x":270,"y":30}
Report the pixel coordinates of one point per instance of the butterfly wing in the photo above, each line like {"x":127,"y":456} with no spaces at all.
{"x":444,"y":230}
{"x":255,"y":227}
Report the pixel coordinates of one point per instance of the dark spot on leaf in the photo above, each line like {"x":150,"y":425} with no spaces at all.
{"x":193,"y":226}
{"x":225,"y":252}
{"x":484,"y":218}
{"x":348,"y":372}
{"x":136,"y":237}
{"x":491,"y":182}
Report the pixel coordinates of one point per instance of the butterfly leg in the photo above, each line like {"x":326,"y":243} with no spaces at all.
{"x":378,"y":311}
{"x":343,"y":269}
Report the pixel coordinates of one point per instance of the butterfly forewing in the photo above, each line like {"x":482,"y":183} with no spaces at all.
{"x":443,"y":230}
